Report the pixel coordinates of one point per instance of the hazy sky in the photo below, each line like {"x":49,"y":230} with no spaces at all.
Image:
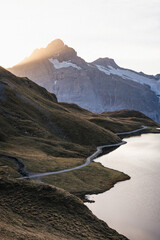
{"x":126,"y":30}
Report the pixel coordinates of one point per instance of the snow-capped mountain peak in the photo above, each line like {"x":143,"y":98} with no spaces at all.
{"x":98,"y":86}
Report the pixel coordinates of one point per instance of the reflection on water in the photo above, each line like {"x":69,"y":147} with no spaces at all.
{"x":133,"y":207}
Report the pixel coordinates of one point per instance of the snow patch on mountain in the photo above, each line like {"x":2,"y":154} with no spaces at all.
{"x":103,"y":69}
{"x":64,"y":64}
{"x":131,"y":75}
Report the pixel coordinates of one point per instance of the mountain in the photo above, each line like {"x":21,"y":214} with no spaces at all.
{"x":39,"y":134}
{"x":98,"y":86}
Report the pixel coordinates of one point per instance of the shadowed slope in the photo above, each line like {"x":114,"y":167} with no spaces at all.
{"x":37,"y":211}
{"x":42,"y":133}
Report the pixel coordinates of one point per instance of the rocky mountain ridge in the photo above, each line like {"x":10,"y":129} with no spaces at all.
{"x":98,"y":86}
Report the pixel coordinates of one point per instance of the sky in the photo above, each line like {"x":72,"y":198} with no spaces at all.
{"x":127,"y":31}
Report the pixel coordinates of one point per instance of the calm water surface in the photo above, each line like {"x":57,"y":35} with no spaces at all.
{"x":133,"y":207}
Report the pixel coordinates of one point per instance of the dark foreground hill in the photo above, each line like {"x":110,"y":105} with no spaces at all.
{"x":44,"y":135}
{"x":34,"y":211}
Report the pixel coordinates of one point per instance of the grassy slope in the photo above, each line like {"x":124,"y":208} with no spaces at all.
{"x":32,"y":119}
{"x":123,"y":121}
{"x":44,"y":134}
{"x":35,"y":211}
{"x":91,"y":179}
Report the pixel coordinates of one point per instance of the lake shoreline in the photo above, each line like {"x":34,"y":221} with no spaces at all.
{"x":138,"y":220}
{"x":124,"y":176}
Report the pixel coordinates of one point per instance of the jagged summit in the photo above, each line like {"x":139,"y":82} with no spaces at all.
{"x":55,"y":44}
{"x":55,"y":49}
{"x":98,"y":86}
{"x":106,"y":62}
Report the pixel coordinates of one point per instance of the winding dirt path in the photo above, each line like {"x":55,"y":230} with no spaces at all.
{"x":131,"y":132}
{"x":88,"y":160}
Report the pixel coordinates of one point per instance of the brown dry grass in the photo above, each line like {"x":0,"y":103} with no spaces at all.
{"x":89,"y":180}
{"x":36,"y":211}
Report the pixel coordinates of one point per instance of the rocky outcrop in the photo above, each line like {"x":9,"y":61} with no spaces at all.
{"x":98,"y":86}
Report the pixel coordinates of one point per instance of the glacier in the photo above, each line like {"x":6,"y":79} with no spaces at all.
{"x":64,"y":64}
{"x":131,"y":75}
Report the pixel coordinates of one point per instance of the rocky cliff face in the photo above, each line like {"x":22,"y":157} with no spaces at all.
{"x":98,"y":86}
